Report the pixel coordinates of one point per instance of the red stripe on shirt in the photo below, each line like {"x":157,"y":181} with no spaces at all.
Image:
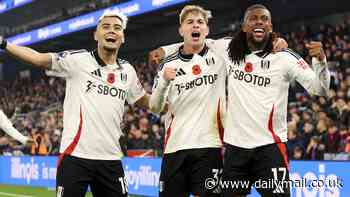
{"x":168,"y":131}
{"x":74,"y":143}
{"x":281,"y":146}
{"x":219,"y":121}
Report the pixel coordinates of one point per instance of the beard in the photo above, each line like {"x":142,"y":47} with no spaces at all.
{"x":257,"y":44}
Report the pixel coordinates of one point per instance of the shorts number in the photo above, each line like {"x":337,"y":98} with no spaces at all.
{"x":279,"y":186}
{"x":276,"y":170}
{"x":124,"y":184}
{"x":217,"y":173}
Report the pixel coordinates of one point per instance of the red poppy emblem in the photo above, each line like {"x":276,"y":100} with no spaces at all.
{"x":111,"y":78}
{"x":196,"y":70}
{"x":248,"y":67}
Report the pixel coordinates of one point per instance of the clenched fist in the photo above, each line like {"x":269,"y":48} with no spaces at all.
{"x":316,"y":50}
{"x":169,"y":73}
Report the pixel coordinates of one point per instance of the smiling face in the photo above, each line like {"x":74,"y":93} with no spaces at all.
{"x":109,"y":33}
{"x":194,"y":29}
{"x":257,"y":25}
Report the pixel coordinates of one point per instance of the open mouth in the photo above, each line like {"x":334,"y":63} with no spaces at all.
{"x":258,"y":31}
{"x":195,"y":34}
{"x":111,"y":40}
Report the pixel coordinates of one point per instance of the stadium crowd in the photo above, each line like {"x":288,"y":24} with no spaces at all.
{"x":61,"y":12}
{"x":318,"y":127}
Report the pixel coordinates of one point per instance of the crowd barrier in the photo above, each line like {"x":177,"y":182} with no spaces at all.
{"x":329,"y":178}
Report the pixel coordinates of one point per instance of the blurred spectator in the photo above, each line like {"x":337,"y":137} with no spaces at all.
{"x":298,"y":153}
{"x":344,"y":134}
{"x":347,"y":146}
{"x":331,"y":139}
{"x":293,"y":141}
{"x":308,"y":132}
{"x":315,"y":149}
{"x":135,"y":140}
{"x":55,"y":142}
{"x":41,"y":142}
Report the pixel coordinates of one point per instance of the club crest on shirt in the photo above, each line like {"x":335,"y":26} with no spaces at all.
{"x":123,"y":77}
{"x":265,"y":64}
{"x":111,"y":78}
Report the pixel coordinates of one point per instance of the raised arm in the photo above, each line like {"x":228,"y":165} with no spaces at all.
{"x":316,"y":80}
{"x":159,"y":93}
{"x":26,"y":54}
{"x":319,"y":63}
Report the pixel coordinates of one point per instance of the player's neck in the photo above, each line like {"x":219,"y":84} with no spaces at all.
{"x":108,"y":57}
{"x":192,"y":49}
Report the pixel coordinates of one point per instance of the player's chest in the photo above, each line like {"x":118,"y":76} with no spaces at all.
{"x":197,"y":78}
{"x":104,"y":83}
{"x":209,"y":67}
{"x":256,"y":72}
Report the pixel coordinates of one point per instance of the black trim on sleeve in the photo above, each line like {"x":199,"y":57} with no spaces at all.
{"x":290,"y":51}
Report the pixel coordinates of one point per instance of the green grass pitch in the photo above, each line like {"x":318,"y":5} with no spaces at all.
{"x":24,"y":191}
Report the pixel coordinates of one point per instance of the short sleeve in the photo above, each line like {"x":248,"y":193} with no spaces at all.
{"x":61,"y":64}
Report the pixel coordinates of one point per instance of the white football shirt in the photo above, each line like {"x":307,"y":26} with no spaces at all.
{"x":94,"y":103}
{"x":196,"y":101}
{"x":258,"y":96}
{"x":258,"y":92}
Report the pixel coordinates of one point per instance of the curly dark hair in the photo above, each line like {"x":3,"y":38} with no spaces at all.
{"x":238,"y":47}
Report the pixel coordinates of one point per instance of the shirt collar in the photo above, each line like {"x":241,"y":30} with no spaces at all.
{"x":188,"y":57}
{"x":100,"y":62}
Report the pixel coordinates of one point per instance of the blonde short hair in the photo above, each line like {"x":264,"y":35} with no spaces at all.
{"x":194,"y":9}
